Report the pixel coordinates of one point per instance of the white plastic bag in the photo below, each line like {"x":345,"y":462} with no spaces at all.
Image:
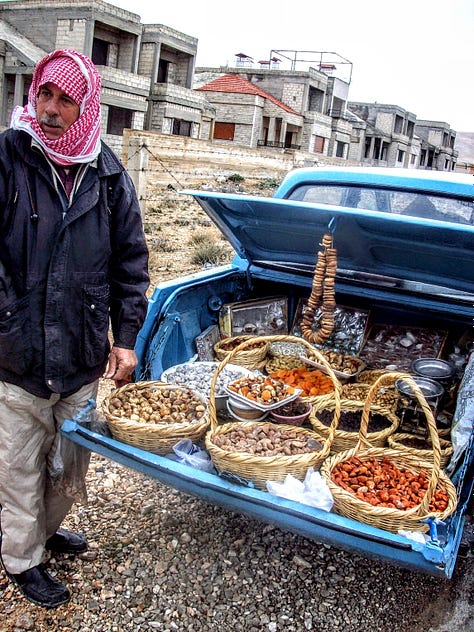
{"x":190,"y":454}
{"x":312,"y":491}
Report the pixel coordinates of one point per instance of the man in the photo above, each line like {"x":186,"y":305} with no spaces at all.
{"x":72,"y":253}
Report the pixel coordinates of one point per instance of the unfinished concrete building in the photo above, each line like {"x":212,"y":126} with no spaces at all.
{"x":146,"y":70}
{"x":394,"y":137}
{"x":317,"y":94}
{"x":437,"y":145}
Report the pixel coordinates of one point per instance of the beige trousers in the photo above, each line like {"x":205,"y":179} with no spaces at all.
{"x":32,"y":508}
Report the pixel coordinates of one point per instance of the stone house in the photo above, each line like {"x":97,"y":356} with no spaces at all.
{"x":146,"y":70}
{"x":247,"y":115}
{"x":315,"y":95}
{"x":437,"y":145}
{"x":394,"y":137}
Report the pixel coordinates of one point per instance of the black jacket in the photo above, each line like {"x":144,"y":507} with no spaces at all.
{"x":65,"y":270}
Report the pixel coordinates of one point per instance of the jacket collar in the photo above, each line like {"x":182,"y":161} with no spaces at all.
{"x":107,"y":162}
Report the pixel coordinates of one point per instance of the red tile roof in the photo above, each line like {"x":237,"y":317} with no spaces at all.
{"x":238,"y":85}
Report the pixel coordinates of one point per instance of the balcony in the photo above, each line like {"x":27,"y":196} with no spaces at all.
{"x":273,"y":144}
{"x":172,"y":93}
{"x":113,"y":78}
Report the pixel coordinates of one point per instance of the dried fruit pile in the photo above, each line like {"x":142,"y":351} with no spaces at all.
{"x":311,"y":382}
{"x":261,"y":389}
{"x":266,"y":439}
{"x":383,"y":483}
{"x":322,"y":294}
{"x":157,"y":405}
{"x":341,"y":362}
{"x":232,"y":343}
{"x":349,"y":420}
{"x":385,"y":396}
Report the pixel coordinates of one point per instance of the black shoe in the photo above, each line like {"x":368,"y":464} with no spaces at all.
{"x":40,"y":587}
{"x":66,"y":542}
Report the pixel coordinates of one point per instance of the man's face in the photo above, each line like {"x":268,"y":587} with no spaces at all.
{"x":55,"y":111}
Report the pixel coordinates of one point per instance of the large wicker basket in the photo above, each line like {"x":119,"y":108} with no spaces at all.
{"x":253,"y":359}
{"x":446,"y":448}
{"x":390,"y":518}
{"x":344,"y":439}
{"x":259,"y":469}
{"x":158,"y":438}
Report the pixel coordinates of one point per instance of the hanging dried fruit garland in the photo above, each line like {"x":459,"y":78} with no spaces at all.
{"x":322,"y":295}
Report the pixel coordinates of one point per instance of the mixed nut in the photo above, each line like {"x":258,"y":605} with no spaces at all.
{"x":261,"y":389}
{"x":267,"y":439}
{"x":157,"y":405}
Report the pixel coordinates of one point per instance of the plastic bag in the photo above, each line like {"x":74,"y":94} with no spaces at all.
{"x":313,"y":491}
{"x":187,"y":452}
{"x":67,"y":465}
{"x":462,"y":421}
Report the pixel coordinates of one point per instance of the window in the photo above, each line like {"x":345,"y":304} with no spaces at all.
{"x":181,"y":128}
{"x":413,"y":203}
{"x":398,"y":127}
{"x":224,"y":131}
{"x":340,"y":149}
{"x":100,"y":52}
{"x":400,"y":156}
{"x":319,"y":144}
{"x":163,"y":69}
{"x":118,"y":120}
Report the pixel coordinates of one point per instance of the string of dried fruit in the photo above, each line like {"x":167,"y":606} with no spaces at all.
{"x":322,"y":294}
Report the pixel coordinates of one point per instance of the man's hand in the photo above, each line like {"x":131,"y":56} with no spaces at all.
{"x":121,"y":365}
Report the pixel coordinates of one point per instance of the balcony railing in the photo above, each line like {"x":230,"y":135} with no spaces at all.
{"x":277,"y":144}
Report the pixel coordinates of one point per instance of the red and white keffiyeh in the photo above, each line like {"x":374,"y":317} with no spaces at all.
{"x":76,"y":75}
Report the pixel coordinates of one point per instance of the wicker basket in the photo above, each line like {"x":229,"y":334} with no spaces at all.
{"x":256,"y":468}
{"x":344,"y":439}
{"x":156,"y":438}
{"x":388,"y":518}
{"x":253,"y":359}
{"x":396,"y":441}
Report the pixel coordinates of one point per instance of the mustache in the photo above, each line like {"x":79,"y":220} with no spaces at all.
{"x":52,"y":121}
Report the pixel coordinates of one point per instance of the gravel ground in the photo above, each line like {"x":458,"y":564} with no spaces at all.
{"x":160,"y":560}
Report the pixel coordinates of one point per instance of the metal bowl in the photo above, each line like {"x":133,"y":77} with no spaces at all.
{"x":433,"y":368}
{"x":429,"y":388}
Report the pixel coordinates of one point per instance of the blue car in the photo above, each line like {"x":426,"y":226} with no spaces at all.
{"x":405,"y":271}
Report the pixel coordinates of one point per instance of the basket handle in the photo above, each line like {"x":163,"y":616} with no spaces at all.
{"x":277,"y":338}
{"x":390,"y":379}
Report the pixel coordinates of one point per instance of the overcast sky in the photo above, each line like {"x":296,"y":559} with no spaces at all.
{"x":417,"y":54}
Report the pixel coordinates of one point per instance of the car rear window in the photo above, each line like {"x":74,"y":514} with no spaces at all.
{"x":413,"y":203}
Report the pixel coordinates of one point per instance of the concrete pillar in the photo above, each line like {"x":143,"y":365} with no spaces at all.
{"x":19,"y":87}
{"x":137,"y":165}
{"x":190,"y":72}
{"x":271,"y":129}
{"x":284,"y":126}
{"x":89,"y":38}
{"x":136,"y":53}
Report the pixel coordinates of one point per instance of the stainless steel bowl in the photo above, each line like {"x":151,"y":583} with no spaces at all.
{"x":433,"y":368}
{"x":429,"y":388}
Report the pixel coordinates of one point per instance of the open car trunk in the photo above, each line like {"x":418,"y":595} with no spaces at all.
{"x":405,"y":274}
